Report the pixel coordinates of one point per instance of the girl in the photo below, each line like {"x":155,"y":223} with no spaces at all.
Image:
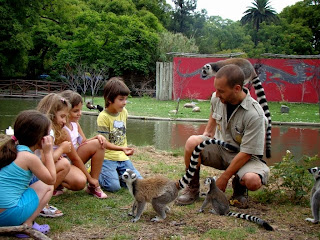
{"x":56,"y":109}
{"x":21,"y":203}
{"x":86,"y":149}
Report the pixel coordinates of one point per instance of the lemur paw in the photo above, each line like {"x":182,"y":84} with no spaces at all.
{"x":312,"y":220}
{"x":134,"y":220}
{"x":156,"y":219}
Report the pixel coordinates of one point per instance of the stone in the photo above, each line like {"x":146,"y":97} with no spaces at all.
{"x":196,"y":109}
{"x":284,"y":109}
{"x":189,"y":105}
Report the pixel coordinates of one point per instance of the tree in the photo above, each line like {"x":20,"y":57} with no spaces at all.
{"x":174,"y":42}
{"x":307,"y":14}
{"x":260,"y":12}
{"x":182,"y":15}
{"x":17,"y":19}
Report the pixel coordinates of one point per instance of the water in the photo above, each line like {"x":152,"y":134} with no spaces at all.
{"x":169,"y":135}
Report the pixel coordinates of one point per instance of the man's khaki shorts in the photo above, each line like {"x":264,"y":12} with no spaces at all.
{"x":218,"y":157}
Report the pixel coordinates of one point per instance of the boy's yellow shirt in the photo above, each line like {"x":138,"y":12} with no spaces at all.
{"x":113,"y":127}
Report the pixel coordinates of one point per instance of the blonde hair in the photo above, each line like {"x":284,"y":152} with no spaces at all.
{"x":50,"y":105}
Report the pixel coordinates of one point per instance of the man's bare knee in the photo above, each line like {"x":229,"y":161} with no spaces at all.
{"x":252,"y":181}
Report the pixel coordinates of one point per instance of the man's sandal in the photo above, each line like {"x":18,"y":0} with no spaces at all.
{"x":51,"y":212}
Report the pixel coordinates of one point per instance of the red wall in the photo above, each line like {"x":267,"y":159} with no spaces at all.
{"x":288,"y":80}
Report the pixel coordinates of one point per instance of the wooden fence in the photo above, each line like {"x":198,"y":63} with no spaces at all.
{"x":29,"y":88}
{"x":164,"y":80}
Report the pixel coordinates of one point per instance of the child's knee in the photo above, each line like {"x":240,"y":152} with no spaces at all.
{"x":109,"y":185}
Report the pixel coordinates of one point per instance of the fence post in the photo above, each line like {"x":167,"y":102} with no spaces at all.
{"x":164,"y":80}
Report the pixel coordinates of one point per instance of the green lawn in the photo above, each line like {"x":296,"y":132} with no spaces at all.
{"x":150,"y":107}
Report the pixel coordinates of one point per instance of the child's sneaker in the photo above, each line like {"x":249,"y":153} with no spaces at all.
{"x":97,"y":192}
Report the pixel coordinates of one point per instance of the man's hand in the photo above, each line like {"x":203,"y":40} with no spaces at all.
{"x":222,"y":183}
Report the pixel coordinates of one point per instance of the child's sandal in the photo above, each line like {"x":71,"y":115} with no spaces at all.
{"x":51,"y":212}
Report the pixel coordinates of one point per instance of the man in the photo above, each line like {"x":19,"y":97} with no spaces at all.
{"x":237,"y":119}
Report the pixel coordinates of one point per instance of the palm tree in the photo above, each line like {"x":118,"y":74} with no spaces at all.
{"x":260,"y":12}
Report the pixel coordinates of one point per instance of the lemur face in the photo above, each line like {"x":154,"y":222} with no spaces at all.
{"x":315,"y":172}
{"x":209,"y":180}
{"x":207,"y":72}
{"x":129,"y":176}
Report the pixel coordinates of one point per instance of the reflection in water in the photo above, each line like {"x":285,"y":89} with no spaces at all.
{"x":168,"y":135}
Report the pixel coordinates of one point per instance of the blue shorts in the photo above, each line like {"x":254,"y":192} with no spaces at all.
{"x":26,"y":206}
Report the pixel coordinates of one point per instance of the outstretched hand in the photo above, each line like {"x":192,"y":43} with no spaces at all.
{"x":222,"y":183}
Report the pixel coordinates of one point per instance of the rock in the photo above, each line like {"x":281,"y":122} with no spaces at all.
{"x":189,"y":105}
{"x":284,"y":109}
{"x":173,"y":111}
{"x":196,"y":109}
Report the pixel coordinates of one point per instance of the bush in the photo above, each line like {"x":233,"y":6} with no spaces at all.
{"x":290,"y":180}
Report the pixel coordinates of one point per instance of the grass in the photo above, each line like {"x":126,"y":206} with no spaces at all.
{"x":86,"y":217}
{"x":150,"y":107}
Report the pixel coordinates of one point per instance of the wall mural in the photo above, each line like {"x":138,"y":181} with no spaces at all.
{"x":290,"y":80}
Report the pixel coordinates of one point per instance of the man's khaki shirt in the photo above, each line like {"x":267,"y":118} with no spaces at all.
{"x":246,"y":125}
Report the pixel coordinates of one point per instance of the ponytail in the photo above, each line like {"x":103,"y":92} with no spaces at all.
{"x":8,"y":153}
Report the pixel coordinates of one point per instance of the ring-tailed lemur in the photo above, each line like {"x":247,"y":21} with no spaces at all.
{"x":185,"y":180}
{"x":160,"y":191}
{"x":315,"y":195}
{"x":220,"y":205}
{"x":210,"y":70}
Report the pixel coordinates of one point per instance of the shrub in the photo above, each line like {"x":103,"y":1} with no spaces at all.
{"x":290,"y":180}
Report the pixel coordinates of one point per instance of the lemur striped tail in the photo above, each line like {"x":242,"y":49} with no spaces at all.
{"x":261,"y":97}
{"x":185,"y":180}
{"x":252,"y":219}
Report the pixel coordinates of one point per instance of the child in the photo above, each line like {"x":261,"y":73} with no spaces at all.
{"x":21,"y":203}
{"x":92,"y":148}
{"x":112,"y":123}
{"x":57,"y":108}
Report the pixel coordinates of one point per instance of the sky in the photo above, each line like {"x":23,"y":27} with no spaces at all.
{"x":233,"y":9}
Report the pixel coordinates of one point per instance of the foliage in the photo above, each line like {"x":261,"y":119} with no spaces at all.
{"x":221,"y":35}
{"x":259,"y":13}
{"x":307,"y":14}
{"x":182,"y":16}
{"x":127,"y":37}
{"x":170,"y":42}
{"x":290,"y":180}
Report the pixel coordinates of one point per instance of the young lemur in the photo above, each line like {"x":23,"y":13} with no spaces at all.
{"x":160,"y":191}
{"x":315,"y":195}
{"x":220,"y":205}
{"x":210,"y":70}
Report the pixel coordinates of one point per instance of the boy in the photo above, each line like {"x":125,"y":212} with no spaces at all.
{"x":112,"y":124}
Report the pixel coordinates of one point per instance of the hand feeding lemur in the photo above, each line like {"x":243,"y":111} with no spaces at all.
{"x":210,"y":70}
{"x":160,"y":191}
{"x":315,"y":196}
{"x":220,"y":205}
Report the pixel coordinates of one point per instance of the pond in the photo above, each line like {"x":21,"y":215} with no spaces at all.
{"x":169,"y":135}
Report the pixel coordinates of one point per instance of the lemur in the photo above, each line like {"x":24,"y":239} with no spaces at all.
{"x":315,"y":196}
{"x":220,"y":205}
{"x":210,"y":70}
{"x":160,"y":191}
